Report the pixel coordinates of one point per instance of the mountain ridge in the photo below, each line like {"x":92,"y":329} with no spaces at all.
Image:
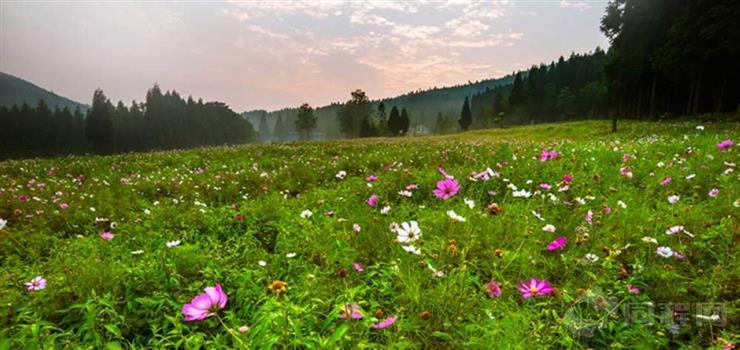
{"x":16,"y":91}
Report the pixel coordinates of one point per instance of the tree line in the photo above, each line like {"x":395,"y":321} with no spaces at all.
{"x":164,"y":121}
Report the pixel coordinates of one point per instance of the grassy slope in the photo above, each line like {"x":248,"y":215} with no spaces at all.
{"x":99,"y":292}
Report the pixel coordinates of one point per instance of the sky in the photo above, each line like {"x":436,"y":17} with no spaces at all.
{"x":274,"y":54}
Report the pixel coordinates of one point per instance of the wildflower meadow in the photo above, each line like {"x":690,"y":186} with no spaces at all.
{"x":555,"y":235}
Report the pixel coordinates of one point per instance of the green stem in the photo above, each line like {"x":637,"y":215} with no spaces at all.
{"x":231,"y":331}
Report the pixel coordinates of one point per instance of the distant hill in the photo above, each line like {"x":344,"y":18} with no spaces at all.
{"x":423,"y":106}
{"x":16,"y":91}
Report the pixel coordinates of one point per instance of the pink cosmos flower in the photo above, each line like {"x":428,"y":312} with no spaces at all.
{"x":107,"y":236}
{"x":372,"y":201}
{"x":725,"y":144}
{"x":590,"y":217}
{"x":665,"y":181}
{"x":64,"y":205}
{"x":535,"y":287}
{"x":205,"y":305}
{"x":632,"y":289}
{"x":547,"y":155}
{"x":493,"y":288}
{"x":351,"y":312}
{"x":713,"y":192}
{"x":412,"y":186}
{"x":372,"y":178}
{"x":37,"y":283}
{"x":567,"y":178}
{"x":239,"y":217}
{"x":558,"y":243}
{"x":607,"y":210}
{"x":23,"y":198}
{"x":545,"y":186}
{"x":357,"y":228}
{"x":442,"y":171}
{"x":385,"y":323}
{"x":446,"y":189}
{"x":358,"y":267}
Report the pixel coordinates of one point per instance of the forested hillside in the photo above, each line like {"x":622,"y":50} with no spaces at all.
{"x":16,"y":91}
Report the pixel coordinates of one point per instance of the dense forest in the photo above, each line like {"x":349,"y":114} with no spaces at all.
{"x":164,"y":121}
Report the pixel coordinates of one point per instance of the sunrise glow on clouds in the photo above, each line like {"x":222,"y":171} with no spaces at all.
{"x":273,"y":54}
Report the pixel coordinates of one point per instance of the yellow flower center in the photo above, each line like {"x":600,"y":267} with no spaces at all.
{"x":533,"y":290}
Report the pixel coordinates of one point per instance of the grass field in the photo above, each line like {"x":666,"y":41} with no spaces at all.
{"x":634,"y":234}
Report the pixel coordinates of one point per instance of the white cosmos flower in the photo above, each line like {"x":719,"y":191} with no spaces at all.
{"x":590,"y":258}
{"x":648,"y":239}
{"x":3,"y":222}
{"x":673,"y":199}
{"x":469,"y":202}
{"x":137,"y":252}
{"x":262,"y":263}
{"x":385,"y":210}
{"x":455,"y":216}
{"x":522,"y":193}
{"x":408,"y":232}
{"x":290,"y":255}
{"x":665,"y":252}
{"x":172,"y":244}
{"x":406,"y":193}
{"x":306,"y":214}
{"x":622,"y":205}
{"x":341,"y":175}
{"x":411,"y":249}
{"x":537,"y":215}
{"x":548,"y":228}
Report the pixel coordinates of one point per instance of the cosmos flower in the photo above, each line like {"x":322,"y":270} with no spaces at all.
{"x":356,"y":228}
{"x":548,"y":228}
{"x":3,"y":223}
{"x":306,"y":214}
{"x":493,"y":288}
{"x":290,"y":255}
{"x":278,"y":287}
{"x":607,"y":210}
{"x":205,"y":305}
{"x":385,"y":323}
{"x":590,"y":258}
{"x":545,"y":186}
{"x":558,"y":243}
{"x":673,"y":199}
{"x":469,"y":202}
{"x":384,"y":210}
{"x":372,"y":178}
{"x":535,"y":287}
{"x":358,"y":267}
{"x":63,"y":205}
{"x":590,"y":217}
{"x":351,"y":312}
{"x":567,"y":178}
{"x":172,"y":244}
{"x":341,"y":175}
{"x":37,"y":283}
{"x":107,"y":236}
{"x":372,"y":201}
{"x":632,"y":289}
{"x":446,"y":189}
{"x":725,"y":144}
{"x":455,"y":216}
{"x":665,"y":252}
{"x":547,"y":155}
{"x":666,"y":180}
{"x":411,"y":249}
{"x":712,"y":193}
{"x":408,"y":232}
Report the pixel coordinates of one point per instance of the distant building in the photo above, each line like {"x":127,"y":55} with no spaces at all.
{"x":419,"y":130}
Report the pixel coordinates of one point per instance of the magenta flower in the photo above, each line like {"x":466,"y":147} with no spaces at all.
{"x":607,"y":210}
{"x":493,"y":288}
{"x":107,"y":236}
{"x":535,"y":287}
{"x":547,"y":155}
{"x":632,"y":289}
{"x":205,"y":305}
{"x":567,"y":178}
{"x":666,"y":180}
{"x":385,"y":323}
{"x":446,"y":188}
{"x":725,"y":144}
{"x":358,"y":267}
{"x":351,"y":312}
{"x":24,"y":198}
{"x":713,"y":192}
{"x":37,"y":283}
{"x":64,"y":205}
{"x":372,"y":201}
{"x":372,"y":178}
{"x":558,"y":243}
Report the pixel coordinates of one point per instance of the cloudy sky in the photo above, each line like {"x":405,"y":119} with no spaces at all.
{"x":272,"y":54}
